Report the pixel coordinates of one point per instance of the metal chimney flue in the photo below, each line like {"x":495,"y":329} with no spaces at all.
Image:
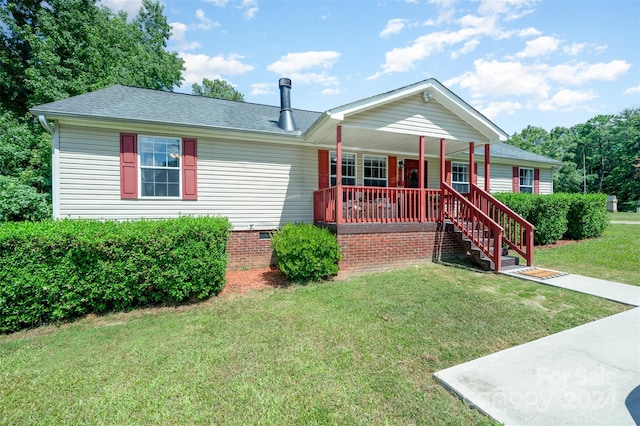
{"x":286,"y":115}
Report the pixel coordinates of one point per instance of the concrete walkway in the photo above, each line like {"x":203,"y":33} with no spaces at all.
{"x":588,"y":375}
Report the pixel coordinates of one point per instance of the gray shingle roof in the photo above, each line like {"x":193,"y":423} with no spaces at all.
{"x":503,"y":150}
{"x":145,"y":105}
{"x":153,"y":106}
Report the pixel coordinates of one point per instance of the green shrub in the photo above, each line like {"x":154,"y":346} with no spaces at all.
{"x":521,"y":203}
{"x":305,"y":252}
{"x":58,"y":270}
{"x":587,"y":216}
{"x":19,"y":201}
{"x":549,"y":215}
{"x":556,"y":216}
{"x":629,"y":206}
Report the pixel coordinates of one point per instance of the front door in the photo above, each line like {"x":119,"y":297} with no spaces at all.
{"x":411,"y":172}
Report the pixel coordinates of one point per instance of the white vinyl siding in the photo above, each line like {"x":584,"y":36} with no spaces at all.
{"x":433,"y":120}
{"x":502,"y":178}
{"x":255,"y":185}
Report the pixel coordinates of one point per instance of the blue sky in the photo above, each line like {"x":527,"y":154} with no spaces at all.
{"x":519,"y":62}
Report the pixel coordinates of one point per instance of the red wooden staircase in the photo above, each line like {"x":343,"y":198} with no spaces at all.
{"x":484,"y":225}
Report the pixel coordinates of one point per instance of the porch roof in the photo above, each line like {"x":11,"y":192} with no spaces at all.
{"x":393,"y":121}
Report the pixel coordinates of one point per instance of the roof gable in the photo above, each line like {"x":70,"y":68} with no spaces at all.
{"x":461,"y":114}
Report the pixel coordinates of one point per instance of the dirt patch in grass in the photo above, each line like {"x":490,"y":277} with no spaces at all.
{"x":559,"y":243}
{"x":253,"y":279}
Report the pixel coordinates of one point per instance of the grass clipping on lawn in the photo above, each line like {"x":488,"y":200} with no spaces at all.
{"x":356,"y":351}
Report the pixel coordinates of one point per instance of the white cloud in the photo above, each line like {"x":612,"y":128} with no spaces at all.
{"x":394,"y":26}
{"x":219,"y":3}
{"x":472,"y":28}
{"x":540,"y":46}
{"x":633,"y":90}
{"x":511,"y":9}
{"x":567,"y":100}
{"x":331,"y":91}
{"x":494,"y":79}
{"x":132,"y":7}
{"x":497,"y":109}
{"x":199,"y":66}
{"x":579,"y":73}
{"x":574,"y":49}
{"x":249,"y":8}
{"x":205,"y":23}
{"x":467,"y":48}
{"x":179,"y":37}
{"x":297,"y":66}
{"x":262,"y":89}
{"x":529,"y":32}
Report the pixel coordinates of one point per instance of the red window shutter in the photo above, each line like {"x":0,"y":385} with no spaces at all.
{"x":516,"y":180}
{"x":393,"y":171}
{"x":447,"y":172}
{"x":189,"y":169}
{"x":536,"y":181}
{"x":323,"y":168}
{"x":128,"y":166}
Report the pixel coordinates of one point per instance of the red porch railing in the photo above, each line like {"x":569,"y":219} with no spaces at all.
{"x":366,"y":204}
{"x":517,"y":234}
{"x":481,"y":229}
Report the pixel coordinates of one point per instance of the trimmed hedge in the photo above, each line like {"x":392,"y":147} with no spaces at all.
{"x":556,"y":216}
{"x":53,"y":271}
{"x":305,"y":252}
{"x":587,"y":216}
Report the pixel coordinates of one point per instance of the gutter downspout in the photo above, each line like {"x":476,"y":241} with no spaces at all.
{"x":55,"y":164}
{"x":45,"y":124}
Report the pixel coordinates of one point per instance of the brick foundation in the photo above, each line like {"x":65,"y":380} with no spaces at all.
{"x":376,"y":251}
{"x":247,"y":250}
{"x":364,"y":248}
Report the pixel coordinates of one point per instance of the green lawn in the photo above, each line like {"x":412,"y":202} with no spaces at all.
{"x":355,"y":351}
{"x":633,"y":217}
{"x":614,"y":256}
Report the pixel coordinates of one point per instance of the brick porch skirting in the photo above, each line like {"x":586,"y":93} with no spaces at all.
{"x":365,"y":247}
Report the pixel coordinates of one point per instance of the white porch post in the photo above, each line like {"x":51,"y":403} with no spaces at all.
{"x":338,"y":174}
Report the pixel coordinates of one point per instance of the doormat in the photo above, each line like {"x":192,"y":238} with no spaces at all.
{"x":543,"y":274}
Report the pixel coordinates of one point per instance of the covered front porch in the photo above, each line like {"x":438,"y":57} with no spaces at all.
{"x":409,"y":130}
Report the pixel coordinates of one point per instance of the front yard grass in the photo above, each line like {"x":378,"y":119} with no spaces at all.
{"x":615,"y":256}
{"x":626,"y":216}
{"x":355,"y":351}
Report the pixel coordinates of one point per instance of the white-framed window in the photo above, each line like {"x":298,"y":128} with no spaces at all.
{"x":374,"y":170}
{"x":348,"y":168}
{"x":460,"y":177}
{"x":526,"y":180}
{"x":159,"y":166}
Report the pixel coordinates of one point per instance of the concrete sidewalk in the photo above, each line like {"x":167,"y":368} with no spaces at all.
{"x":588,"y":375}
{"x":623,"y":293}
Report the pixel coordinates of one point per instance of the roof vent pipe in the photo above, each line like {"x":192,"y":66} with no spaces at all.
{"x":286,"y":116}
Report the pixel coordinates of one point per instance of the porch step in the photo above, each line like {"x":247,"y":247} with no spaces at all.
{"x":476,"y":255}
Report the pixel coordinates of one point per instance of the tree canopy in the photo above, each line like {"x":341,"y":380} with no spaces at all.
{"x":53,"y":49}
{"x":219,"y":89}
{"x":604,"y":152}
{"x":60,"y":48}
